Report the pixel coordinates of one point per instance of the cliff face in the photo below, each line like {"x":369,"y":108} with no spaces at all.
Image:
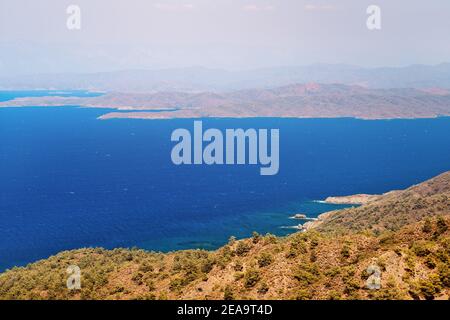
{"x":403,"y":234}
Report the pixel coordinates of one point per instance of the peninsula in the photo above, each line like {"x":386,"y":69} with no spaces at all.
{"x":353,"y":199}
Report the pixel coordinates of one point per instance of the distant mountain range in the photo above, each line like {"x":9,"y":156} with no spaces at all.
{"x":198,"y":79}
{"x":310,"y":100}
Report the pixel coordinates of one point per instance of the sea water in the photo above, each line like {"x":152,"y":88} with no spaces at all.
{"x":69,"y":180}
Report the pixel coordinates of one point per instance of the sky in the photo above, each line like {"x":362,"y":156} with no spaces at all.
{"x":229,"y":34}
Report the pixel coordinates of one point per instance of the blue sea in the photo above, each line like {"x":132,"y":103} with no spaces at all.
{"x":68,"y":180}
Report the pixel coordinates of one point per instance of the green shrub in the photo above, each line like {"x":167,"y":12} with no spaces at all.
{"x":137,"y":278}
{"x":429,"y":262}
{"x":313,"y":256}
{"x":177,"y":284}
{"x":263,"y":288}
{"x":303,"y":294}
{"x":390,"y":291}
{"x":444,"y":274}
{"x":238,"y":276}
{"x":228,"y":293}
{"x":307,"y":273}
{"x":430,"y":287}
{"x":146,"y":268}
{"x":345,"y":251}
{"x":441,"y":226}
{"x":270,"y":239}
{"x":242,"y":248}
{"x":150,"y":284}
{"x":265,"y":259}
{"x":351,"y":287}
{"x":251,"y":278}
{"x":427,"y":227}
{"x":238,"y":266}
{"x":207,"y":265}
{"x":421,"y":248}
{"x":332,"y":272}
{"x":255,"y":237}
{"x":291,"y":253}
{"x":314,"y":242}
{"x":386,"y":238}
{"x":334,"y":295}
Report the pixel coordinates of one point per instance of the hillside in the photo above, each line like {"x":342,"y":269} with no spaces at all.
{"x":393,"y":210}
{"x":403,"y":233}
{"x":311,"y":100}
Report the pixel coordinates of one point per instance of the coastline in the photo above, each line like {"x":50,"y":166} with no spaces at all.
{"x":170,"y":113}
{"x":270,"y":267}
{"x":292,"y":101}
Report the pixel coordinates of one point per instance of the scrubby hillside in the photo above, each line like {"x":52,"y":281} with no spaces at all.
{"x":404,"y":234}
{"x":394,"y":209}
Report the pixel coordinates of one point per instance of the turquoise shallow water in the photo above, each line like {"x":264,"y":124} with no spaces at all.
{"x":69,"y":180}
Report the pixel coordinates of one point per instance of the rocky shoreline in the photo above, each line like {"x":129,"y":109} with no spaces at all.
{"x":352,"y":199}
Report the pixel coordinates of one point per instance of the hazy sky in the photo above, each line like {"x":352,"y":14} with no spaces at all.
{"x":232,"y":34}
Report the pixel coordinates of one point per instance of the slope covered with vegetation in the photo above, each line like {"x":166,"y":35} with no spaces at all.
{"x":394,"y":209}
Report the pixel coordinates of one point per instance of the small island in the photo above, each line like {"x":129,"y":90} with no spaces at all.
{"x":299,"y":216}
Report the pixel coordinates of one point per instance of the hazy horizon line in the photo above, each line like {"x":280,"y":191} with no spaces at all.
{"x":232,"y":70}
